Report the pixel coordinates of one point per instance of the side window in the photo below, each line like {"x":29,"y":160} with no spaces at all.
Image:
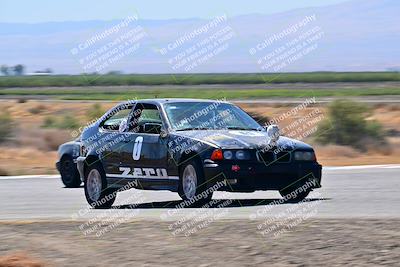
{"x":146,"y":119}
{"x":112,"y":123}
{"x":150,"y":115}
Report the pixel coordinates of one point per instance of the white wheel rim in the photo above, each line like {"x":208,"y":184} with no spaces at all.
{"x":94,"y":185}
{"x":189,"y":180}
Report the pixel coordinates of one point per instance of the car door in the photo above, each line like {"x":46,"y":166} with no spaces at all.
{"x":145,"y":153}
{"x":110,"y":140}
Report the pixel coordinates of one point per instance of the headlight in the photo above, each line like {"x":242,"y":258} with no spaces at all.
{"x":236,"y":154}
{"x":304,"y":155}
{"x":228,"y":154}
{"x":241,"y":155}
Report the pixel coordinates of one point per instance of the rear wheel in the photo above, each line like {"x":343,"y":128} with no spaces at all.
{"x":192,"y":185}
{"x":294,"y":194}
{"x":69,"y":172}
{"x":96,"y":191}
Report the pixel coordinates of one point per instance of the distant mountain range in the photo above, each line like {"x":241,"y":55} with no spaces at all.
{"x":352,"y":36}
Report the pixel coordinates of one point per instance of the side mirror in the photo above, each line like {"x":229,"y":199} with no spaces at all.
{"x":273,"y":133}
{"x":123,"y":125}
{"x":163,"y":133}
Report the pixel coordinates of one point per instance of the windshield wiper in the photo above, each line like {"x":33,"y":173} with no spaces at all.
{"x":225,"y":128}
{"x":241,"y":128}
{"x":192,"y":129}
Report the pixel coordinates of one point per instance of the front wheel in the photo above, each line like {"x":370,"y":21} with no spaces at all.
{"x":96,"y":191}
{"x":294,"y":194}
{"x":69,"y":172}
{"x":192,"y":184}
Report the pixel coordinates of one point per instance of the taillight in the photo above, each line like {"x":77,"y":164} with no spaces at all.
{"x":217,"y":155}
{"x":82,"y":151}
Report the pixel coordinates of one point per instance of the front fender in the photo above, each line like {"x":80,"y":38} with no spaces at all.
{"x":181,"y":148}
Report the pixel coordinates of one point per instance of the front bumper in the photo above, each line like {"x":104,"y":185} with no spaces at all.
{"x":258,"y":176}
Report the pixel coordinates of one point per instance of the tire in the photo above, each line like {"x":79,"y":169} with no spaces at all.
{"x":97,"y":194}
{"x":69,"y":172}
{"x":293,"y":196}
{"x":192,"y":184}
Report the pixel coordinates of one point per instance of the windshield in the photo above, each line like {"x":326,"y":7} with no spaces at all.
{"x":208,"y":116}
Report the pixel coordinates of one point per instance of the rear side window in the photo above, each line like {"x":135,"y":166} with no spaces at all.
{"x":146,"y":119}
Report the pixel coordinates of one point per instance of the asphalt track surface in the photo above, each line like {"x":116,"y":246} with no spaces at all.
{"x":347,"y":192}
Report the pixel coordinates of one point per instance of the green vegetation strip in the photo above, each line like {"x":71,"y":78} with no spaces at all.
{"x":194,"y":79}
{"x":91,"y":94}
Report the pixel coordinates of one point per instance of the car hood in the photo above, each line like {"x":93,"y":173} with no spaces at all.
{"x":240,"y":139}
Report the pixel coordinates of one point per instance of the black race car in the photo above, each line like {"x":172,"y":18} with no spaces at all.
{"x":66,"y":164}
{"x":193,"y":147}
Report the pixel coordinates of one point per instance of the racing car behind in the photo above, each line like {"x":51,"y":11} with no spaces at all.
{"x":66,"y":164}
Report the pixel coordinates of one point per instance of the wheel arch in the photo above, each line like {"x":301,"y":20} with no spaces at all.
{"x":188,"y":156}
{"x":185,"y":158}
{"x":90,"y":160}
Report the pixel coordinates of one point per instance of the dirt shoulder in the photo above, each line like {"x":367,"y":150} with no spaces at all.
{"x":330,"y":242}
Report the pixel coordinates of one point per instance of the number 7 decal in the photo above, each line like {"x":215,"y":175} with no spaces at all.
{"x":137,"y":148}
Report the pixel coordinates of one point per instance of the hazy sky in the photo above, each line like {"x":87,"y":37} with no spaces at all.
{"x":33,"y":11}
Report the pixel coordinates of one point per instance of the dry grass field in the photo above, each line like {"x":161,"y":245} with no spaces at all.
{"x":32,"y":147}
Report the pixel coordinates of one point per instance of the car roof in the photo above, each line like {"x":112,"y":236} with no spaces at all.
{"x":176,"y":100}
